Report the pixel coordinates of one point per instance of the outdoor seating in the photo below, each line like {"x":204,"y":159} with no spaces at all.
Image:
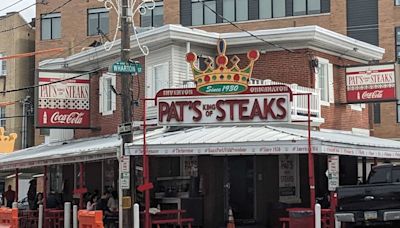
{"x":28,"y":218}
{"x":170,"y":217}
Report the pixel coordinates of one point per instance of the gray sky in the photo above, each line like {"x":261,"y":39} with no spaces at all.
{"x":28,"y":14}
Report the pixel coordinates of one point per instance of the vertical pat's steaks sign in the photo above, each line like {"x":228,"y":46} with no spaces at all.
{"x":63,"y":104}
{"x":370,"y":83}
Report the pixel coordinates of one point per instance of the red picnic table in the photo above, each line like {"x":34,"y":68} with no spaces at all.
{"x":171,"y":217}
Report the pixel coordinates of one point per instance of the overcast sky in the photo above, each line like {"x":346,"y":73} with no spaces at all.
{"x":28,"y":14}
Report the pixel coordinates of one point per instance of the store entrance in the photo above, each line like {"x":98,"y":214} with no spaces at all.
{"x":239,"y":192}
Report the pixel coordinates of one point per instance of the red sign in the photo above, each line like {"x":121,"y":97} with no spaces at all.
{"x":63,"y":104}
{"x":257,"y":105}
{"x":370,"y":83}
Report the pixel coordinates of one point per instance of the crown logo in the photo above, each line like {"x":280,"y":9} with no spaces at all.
{"x":7,"y":142}
{"x":221,"y":79}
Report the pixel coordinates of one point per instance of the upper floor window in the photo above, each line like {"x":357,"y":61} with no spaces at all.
{"x":107,"y":98}
{"x":398,"y":43}
{"x":304,"y":7}
{"x":324,"y":80}
{"x":154,"y":17}
{"x":272,"y":8}
{"x":397,"y":2}
{"x":51,"y":26}
{"x":97,"y":20}
{"x":157,"y":78}
{"x":3,"y":66}
{"x":3,"y":116}
{"x":202,"y":14}
{"x":236,"y":10}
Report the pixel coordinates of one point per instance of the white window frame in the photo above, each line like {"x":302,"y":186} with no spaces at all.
{"x":357,"y":107}
{"x":151,"y":79}
{"x":3,"y":72}
{"x":105,"y":92}
{"x":330,"y":88}
{"x":3,"y":118}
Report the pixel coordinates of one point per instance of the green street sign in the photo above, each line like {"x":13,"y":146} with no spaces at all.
{"x":124,"y":67}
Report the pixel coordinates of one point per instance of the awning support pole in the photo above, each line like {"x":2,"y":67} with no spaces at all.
{"x":310,"y":155}
{"x":364,"y":170}
{"x":81,"y":172}
{"x":45,"y":187}
{"x":16,"y":185}
{"x":146,"y":172}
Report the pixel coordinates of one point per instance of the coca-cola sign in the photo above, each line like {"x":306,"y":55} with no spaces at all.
{"x":370,"y":83}
{"x":63,"y":104}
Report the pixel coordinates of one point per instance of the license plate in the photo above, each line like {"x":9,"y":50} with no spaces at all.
{"x":370,"y":215}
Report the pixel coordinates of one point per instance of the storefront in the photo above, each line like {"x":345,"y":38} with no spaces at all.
{"x":67,"y":168}
{"x":258,"y":171}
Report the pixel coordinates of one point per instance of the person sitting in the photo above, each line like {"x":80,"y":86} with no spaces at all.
{"x":52,"y":201}
{"x":102,"y":202}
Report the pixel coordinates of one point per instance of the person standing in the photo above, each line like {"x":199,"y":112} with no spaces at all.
{"x":9,"y":195}
{"x":32,"y":194}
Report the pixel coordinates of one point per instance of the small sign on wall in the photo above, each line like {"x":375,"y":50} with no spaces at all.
{"x":289,"y":180}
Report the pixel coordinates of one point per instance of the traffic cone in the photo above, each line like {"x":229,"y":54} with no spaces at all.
{"x":231,"y":220}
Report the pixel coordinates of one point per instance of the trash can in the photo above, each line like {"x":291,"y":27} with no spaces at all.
{"x":301,"y":217}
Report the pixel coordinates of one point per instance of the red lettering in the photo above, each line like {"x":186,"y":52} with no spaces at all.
{"x":280,"y":104}
{"x":256,"y":110}
{"x":243,"y":109}
{"x":231,"y":104}
{"x":173,"y":113}
{"x":195,"y":105}
{"x":222,"y":115}
{"x":163,"y":109}
{"x":268,"y":108}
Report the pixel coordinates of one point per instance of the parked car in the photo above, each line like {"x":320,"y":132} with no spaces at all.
{"x":376,"y":202}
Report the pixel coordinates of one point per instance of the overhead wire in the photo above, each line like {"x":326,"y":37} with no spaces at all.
{"x":37,"y":19}
{"x":15,"y":3}
{"x":244,"y":30}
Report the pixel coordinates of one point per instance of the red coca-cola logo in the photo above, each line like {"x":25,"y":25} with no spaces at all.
{"x":71,"y":118}
{"x":372,"y":95}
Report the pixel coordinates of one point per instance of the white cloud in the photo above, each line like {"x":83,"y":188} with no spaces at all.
{"x":28,"y":14}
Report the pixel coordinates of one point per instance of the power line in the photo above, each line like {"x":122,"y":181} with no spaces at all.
{"x":50,"y":83}
{"x":244,"y":30}
{"x":7,"y":7}
{"x":37,"y":19}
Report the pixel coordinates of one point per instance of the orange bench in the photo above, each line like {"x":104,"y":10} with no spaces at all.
{"x":9,"y":217}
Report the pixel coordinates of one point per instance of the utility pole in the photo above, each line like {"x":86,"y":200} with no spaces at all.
{"x":126,"y":98}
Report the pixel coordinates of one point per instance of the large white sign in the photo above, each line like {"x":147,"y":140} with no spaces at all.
{"x":370,"y":83}
{"x":259,"y":104}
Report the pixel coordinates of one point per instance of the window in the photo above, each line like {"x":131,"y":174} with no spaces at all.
{"x":303,"y":7}
{"x":397,"y":2}
{"x":264,"y":8}
{"x":51,"y":26}
{"x":377,"y":113}
{"x":324,"y":81}
{"x":154,"y":17}
{"x":396,"y":174}
{"x":97,"y":21}
{"x":236,"y":10}
{"x":107,"y":98}
{"x":157,"y":79}
{"x":279,"y":8}
{"x":398,"y":43}
{"x":3,"y":117}
{"x":380,"y":175}
{"x":201,"y":13}
{"x":3,"y":66}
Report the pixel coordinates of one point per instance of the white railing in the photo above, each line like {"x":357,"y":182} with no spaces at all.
{"x":299,"y":104}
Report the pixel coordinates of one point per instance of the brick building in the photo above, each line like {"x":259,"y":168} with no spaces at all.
{"x":16,"y":73}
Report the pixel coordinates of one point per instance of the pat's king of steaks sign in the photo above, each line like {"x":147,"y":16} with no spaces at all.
{"x":223,"y":97}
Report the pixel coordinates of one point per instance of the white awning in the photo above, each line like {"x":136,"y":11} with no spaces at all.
{"x":80,"y":150}
{"x":262,"y":140}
